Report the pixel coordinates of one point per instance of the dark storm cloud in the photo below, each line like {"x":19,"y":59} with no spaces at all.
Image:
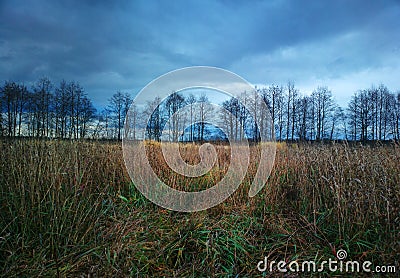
{"x":123,"y":45}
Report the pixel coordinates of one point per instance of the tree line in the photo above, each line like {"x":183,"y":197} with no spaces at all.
{"x":66,"y":111}
{"x":58,"y":111}
{"x":45,"y":110}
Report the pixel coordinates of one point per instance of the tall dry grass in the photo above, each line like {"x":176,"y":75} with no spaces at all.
{"x":68,"y":208}
{"x":54,"y":195}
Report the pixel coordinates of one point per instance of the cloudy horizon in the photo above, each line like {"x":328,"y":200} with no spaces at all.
{"x":109,"y":46}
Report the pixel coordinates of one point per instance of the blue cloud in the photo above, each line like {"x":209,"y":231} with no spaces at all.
{"x":123,"y":45}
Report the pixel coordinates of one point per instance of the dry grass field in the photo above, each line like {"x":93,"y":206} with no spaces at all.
{"x":68,"y":208}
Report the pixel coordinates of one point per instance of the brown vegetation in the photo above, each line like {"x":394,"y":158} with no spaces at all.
{"x":68,"y":207}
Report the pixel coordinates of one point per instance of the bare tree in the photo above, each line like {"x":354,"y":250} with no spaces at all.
{"x":119,"y":105}
{"x":230,"y":116}
{"x":14,"y":98}
{"x":279,"y":112}
{"x":275,"y":96}
{"x":322,"y":99}
{"x":191,"y":100}
{"x":86,"y":114}
{"x":396,"y":117}
{"x":353,"y":116}
{"x":133,"y":121}
{"x":41,"y":98}
{"x":61,"y":109}
{"x":173,"y":103}
{"x":153,"y":113}
{"x":303,"y":109}
{"x":204,"y":113}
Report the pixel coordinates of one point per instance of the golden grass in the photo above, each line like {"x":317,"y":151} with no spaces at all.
{"x":68,"y":208}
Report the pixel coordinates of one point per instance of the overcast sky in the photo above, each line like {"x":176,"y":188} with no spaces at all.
{"x":123,"y":45}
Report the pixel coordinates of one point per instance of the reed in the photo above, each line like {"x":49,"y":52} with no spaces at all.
{"x":68,"y":208}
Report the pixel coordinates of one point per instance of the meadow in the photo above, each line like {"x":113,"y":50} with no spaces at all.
{"x":69,"y":209}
